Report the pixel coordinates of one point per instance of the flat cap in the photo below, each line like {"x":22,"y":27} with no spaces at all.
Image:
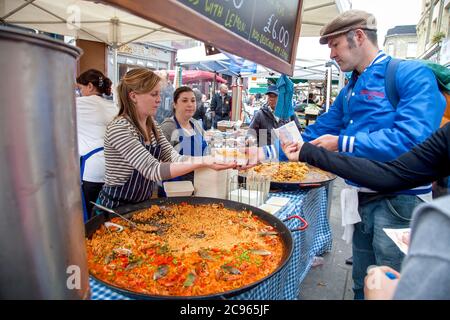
{"x":346,"y":21}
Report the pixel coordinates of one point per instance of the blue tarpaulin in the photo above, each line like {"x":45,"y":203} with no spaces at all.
{"x":284,"y":108}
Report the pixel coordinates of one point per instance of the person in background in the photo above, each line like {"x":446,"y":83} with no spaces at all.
{"x":264,"y":121}
{"x":311,"y":99}
{"x":165,"y":110}
{"x":183,"y":132}
{"x":221,"y":105}
{"x":137,"y":153}
{"x":363,"y":123}
{"x":200,"y":111}
{"x":94,"y":112}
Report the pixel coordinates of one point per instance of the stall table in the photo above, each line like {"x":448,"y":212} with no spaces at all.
{"x":285,"y":285}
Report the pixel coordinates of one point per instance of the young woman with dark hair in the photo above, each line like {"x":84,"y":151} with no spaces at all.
{"x":94,"y":112}
{"x":137,"y":154}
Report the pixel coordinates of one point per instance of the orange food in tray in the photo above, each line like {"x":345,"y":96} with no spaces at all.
{"x":196,"y":250}
{"x":226,"y":155}
{"x":283,"y":171}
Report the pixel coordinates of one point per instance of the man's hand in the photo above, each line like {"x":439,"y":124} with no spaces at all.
{"x":378,"y":286}
{"x":328,"y":142}
{"x":292,"y":150}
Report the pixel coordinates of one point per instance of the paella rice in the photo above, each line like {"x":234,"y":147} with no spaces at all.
{"x":194,"y":250}
{"x":283,"y":171}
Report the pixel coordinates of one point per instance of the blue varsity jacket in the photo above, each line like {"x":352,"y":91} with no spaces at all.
{"x":367,"y":124}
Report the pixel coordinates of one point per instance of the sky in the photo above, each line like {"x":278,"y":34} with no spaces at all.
{"x":389,"y":13}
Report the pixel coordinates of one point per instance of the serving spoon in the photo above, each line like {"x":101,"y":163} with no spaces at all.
{"x":133,"y":224}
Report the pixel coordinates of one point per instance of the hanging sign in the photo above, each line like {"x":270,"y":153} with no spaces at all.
{"x":263,"y":31}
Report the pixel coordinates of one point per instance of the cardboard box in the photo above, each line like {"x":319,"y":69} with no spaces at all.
{"x":213,"y":184}
{"x":178,"y":188}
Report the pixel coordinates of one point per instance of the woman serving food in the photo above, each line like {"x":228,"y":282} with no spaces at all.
{"x":136,"y":152}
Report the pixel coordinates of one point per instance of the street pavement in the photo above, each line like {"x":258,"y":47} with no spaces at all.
{"x":331,"y":280}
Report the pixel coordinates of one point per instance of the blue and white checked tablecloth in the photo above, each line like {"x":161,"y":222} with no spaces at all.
{"x":285,"y":285}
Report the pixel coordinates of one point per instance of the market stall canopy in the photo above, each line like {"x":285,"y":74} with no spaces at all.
{"x":317,"y":13}
{"x":192,"y":76}
{"x":97,"y":22}
{"x":224,"y":63}
{"x":85,"y":20}
{"x":263,"y":31}
{"x":305,"y":70}
{"x":91,"y":20}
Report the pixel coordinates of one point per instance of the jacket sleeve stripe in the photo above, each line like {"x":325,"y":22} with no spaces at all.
{"x":352,"y":144}
{"x":344,"y":144}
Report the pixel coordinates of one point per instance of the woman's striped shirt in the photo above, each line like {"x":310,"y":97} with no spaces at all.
{"x":125,"y":152}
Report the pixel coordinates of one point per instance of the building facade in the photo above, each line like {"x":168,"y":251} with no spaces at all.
{"x":401,"y":42}
{"x":433,"y":31}
{"x":147,"y":55}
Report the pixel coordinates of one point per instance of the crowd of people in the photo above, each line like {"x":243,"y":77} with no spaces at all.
{"x":389,"y":155}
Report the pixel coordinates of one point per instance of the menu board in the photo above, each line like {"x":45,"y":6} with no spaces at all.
{"x":262,"y":31}
{"x":269,"y":24}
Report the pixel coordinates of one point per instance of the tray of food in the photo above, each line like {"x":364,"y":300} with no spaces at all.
{"x":288,"y":175}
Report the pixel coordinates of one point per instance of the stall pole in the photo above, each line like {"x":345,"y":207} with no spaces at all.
{"x":115,"y":79}
{"x":115,"y":46}
{"x":329,"y":79}
{"x":341,"y":84}
{"x":236,"y":101}
{"x":177,"y":80}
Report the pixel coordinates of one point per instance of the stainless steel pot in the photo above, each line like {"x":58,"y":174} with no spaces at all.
{"x":42,"y":252}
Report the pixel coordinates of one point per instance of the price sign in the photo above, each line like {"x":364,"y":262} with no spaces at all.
{"x":263,"y":31}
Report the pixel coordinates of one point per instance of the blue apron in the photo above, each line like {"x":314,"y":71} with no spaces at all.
{"x":194,"y":145}
{"x":83,"y":160}
{"x":137,"y":189}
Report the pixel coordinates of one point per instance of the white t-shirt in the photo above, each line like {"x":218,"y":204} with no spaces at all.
{"x":93,"y":115}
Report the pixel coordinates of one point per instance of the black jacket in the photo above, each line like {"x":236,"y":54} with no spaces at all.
{"x":221,"y":109}
{"x":425,"y":163}
{"x":264,"y":119}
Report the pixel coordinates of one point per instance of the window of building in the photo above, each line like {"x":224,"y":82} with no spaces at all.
{"x":411,"y":50}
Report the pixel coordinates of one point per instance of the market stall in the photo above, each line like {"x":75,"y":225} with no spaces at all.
{"x":35,"y":203}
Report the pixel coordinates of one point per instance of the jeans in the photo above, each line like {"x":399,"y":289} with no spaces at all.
{"x":371,"y":245}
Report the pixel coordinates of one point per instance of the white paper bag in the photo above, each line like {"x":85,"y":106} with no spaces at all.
{"x":211,"y":183}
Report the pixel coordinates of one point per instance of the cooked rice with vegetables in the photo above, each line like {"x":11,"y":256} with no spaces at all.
{"x":192,"y":250}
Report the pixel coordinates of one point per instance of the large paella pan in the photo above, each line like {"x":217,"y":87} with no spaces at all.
{"x":170,"y":254}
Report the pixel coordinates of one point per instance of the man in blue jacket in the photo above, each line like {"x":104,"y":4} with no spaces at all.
{"x":363,"y":123}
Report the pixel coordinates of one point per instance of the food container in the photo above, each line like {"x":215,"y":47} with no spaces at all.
{"x":228,"y":155}
{"x":211,"y":183}
{"x":278,"y":201}
{"x":178,"y":188}
{"x":225,"y":125}
{"x":251,"y":197}
{"x":269,"y":208}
